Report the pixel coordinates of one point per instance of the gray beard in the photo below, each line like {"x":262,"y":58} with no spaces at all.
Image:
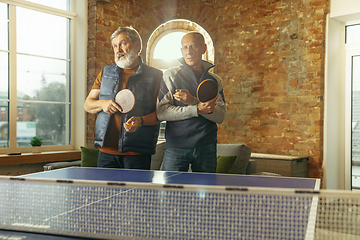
{"x":128,"y":61}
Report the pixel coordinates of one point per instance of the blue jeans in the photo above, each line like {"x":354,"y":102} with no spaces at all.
{"x":202,"y":159}
{"x":106,"y":160}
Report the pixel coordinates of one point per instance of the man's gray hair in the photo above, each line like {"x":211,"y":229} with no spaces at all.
{"x":131,"y":33}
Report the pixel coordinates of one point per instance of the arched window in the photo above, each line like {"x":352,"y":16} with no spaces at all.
{"x":163,"y":48}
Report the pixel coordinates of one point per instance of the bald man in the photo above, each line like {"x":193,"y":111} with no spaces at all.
{"x":191,"y":125}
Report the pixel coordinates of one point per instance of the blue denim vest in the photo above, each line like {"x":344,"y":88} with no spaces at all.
{"x":143,"y":84}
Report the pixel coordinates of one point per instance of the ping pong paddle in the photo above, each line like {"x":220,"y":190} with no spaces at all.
{"x":126,"y":100}
{"x":207,"y":90}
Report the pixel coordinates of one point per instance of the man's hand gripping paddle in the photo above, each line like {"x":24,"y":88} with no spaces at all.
{"x":207,"y":90}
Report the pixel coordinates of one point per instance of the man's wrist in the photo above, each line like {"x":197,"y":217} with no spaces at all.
{"x":141,"y":121}
{"x":195,"y":101}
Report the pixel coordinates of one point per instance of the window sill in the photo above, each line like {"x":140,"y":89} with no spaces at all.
{"x":26,"y":158}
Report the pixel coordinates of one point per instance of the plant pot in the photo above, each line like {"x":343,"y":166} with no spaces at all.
{"x":36,"y":149}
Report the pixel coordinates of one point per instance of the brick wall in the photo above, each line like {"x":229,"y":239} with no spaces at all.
{"x":269,"y":54}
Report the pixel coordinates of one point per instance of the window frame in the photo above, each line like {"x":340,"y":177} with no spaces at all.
{"x":78,"y":55}
{"x":351,"y":50}
{"x":337,"y":120}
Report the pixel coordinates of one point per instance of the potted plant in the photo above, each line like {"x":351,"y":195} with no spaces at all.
{"x":36,"y":143}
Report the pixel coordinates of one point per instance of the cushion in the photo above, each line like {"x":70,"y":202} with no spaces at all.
{"x":89,"y":157}
{"x":157,"y":158}
{"x":252,"y":167}
{"x":242,"y":153}
{"x":65,"y":164}
{"x":225,"y":163}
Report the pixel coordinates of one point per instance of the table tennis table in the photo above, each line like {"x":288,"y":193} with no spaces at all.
{"x":86,"y":203}
{"x":168,"y":177}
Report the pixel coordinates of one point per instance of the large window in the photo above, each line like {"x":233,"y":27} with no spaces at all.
{"x":352,"y":37}
{"x":36,"y":72}
{"x":355,"y":105}
{"x":341,"y":50}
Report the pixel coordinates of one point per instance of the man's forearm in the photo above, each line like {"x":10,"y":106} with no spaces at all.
{"x":217,"y":115}
{"x":150,"y":119}
{"x":168,"y":112}
{"x":93,"y":106}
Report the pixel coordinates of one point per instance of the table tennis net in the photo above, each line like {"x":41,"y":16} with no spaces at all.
{"x":107,"y":210}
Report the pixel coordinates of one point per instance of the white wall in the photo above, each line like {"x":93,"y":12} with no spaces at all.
{"x":336,"y":162}
{"x":345,"y":10}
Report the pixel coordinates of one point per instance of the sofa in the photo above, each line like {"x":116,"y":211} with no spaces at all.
{"x":241,"y":165}
{"x":240,"y":154}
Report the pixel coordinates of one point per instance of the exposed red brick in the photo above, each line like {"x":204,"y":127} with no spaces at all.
{"x":272,"y":82}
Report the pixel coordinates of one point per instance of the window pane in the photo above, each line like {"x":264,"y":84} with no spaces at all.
{"x":41,"y":34}
{"x":47,"y":121}
{"x":41,"y":79}
{"x":353,"y":34}
{"x":356,"y":122}
{"x":168,"y":46}
{"x":4,"y":81}
{"x":4,"y":64}
{"x":59,"y":4}
{"x":4,"y":125}
{"x":3,"y":27}
{"x":26,"y":130}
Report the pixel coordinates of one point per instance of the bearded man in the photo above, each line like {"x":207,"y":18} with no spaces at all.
{"x":126,"y":140}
